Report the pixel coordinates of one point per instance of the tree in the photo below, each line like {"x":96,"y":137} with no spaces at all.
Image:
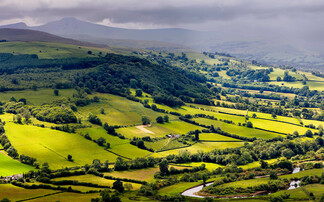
{"x":139,"y":93}
{"x":146,"y":120}
{"x":102,"y":111}
{"x":159,"y":119}
{"x":254,"y":115}
{"x":56,"y":92}
{"x":197,"y":135}
{"x":166,"y":118}
{"x":274,"y":116}
{"x":89,"y":52}
{"x":249,"y":124}
{"x":118,"y":185}
{"x":273,"y":175}
{"x":164,"y":166}
{"x":263,"y":164}
{"x":128,"y":186}
{"x":5,"y":200}
{"x":204,"y":178}
{"x":309,"y":133}
{"x":19,"y":119}
{"x":101,"y":141}
{"x":69,"y":157}
{"x":1,"y":110}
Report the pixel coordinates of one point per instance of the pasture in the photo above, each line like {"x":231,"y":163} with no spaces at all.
{"x":201,"y":146}
{"x":118,"y":110}
{"x":38,"y":97}
{"x":237,"y":130}
{"x":14,"y":193}
{"x":46,"y":50}
{"x":216,"y":137}
{"x":9,"y":166}
{"x":53,"y":146}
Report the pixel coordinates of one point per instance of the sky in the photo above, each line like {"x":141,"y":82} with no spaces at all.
{"x":294,"y":20}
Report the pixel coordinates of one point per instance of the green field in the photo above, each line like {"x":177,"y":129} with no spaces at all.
{"x":278,"y":126}
{"x":237,"y":130}
{"x":201,"y":146}
{"x":9,"y":166}
{"x":118,"y":110}
{"x":16,"y":193}
{"x":182,"y":186}
{"x":216,"y":137}
{"x":47,"y":50}
{"x":139,"y":174}
{"x":159,"y":130}
{"x":95,"y":180}
{"x":53,"y":146}
{"x":38,"y":97}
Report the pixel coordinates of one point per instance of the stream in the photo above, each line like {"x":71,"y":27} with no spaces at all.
{"x":192,"y":191}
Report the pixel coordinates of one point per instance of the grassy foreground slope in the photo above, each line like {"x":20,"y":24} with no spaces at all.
{"x":52,"y":146}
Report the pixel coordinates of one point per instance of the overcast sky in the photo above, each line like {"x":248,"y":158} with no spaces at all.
{"x":251,"y":18}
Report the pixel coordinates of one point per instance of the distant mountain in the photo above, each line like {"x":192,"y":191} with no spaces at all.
{"x":73,"y":26}
{"x":19,"y":25}
{"x":10,"y":34}
{"x":129,"y":43}
{"x":270,"y":51}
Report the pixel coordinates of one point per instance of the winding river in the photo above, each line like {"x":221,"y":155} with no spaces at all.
{"x":192,"y":191}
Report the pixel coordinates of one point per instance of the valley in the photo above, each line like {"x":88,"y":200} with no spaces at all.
{"x":83,"y":123}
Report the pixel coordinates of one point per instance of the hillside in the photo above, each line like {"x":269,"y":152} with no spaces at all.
{"x":26,"y":35}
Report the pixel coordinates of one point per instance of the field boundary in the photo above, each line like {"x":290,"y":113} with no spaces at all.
{"x":37,"y":197}
{"x":118,"y":154}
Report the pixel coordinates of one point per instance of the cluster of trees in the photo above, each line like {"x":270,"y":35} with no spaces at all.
{"x":54,"y":114}
{"x":137,"y":163}
{"x":11,"y":63}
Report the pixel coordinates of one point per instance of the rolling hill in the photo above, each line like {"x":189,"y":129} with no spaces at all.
{"x":10,"y":34}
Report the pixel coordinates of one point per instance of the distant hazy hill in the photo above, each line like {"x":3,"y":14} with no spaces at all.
{"x":10,"y":34}
{"x":267,"y":51}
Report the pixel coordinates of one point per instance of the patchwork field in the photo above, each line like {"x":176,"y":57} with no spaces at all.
{"x":16,"y":193}
{"x":53,"y":146}
{"x":118,"y":110}
{"x":237,"y":130}
{"x":9,"y":166}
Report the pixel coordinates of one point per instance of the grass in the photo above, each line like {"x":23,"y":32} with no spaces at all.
{"x":278,"y":126}
{"x":209,"y":166}
{"x":117,"y":145}
{"x":237,"y":130}
{"x":38,"y":97}
{"x":216,"y":137}
{"x":53,"y":146}
{"x":118,"y":110}
{"x":300,"y":174}
{"x":95,"y":180}
{"x":157,"y":145}
{"x":182,"y":186}
{"x":14,"y":193}
{"x":256,"y":164}
{"x":9,"y":166}
{"x":173,"y":144}
{"x":201,"y":146}
{"x":46,"y":50}
{"x":68,"y":196}
{"x":159,"y":130}
{"x":140,"y":174}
